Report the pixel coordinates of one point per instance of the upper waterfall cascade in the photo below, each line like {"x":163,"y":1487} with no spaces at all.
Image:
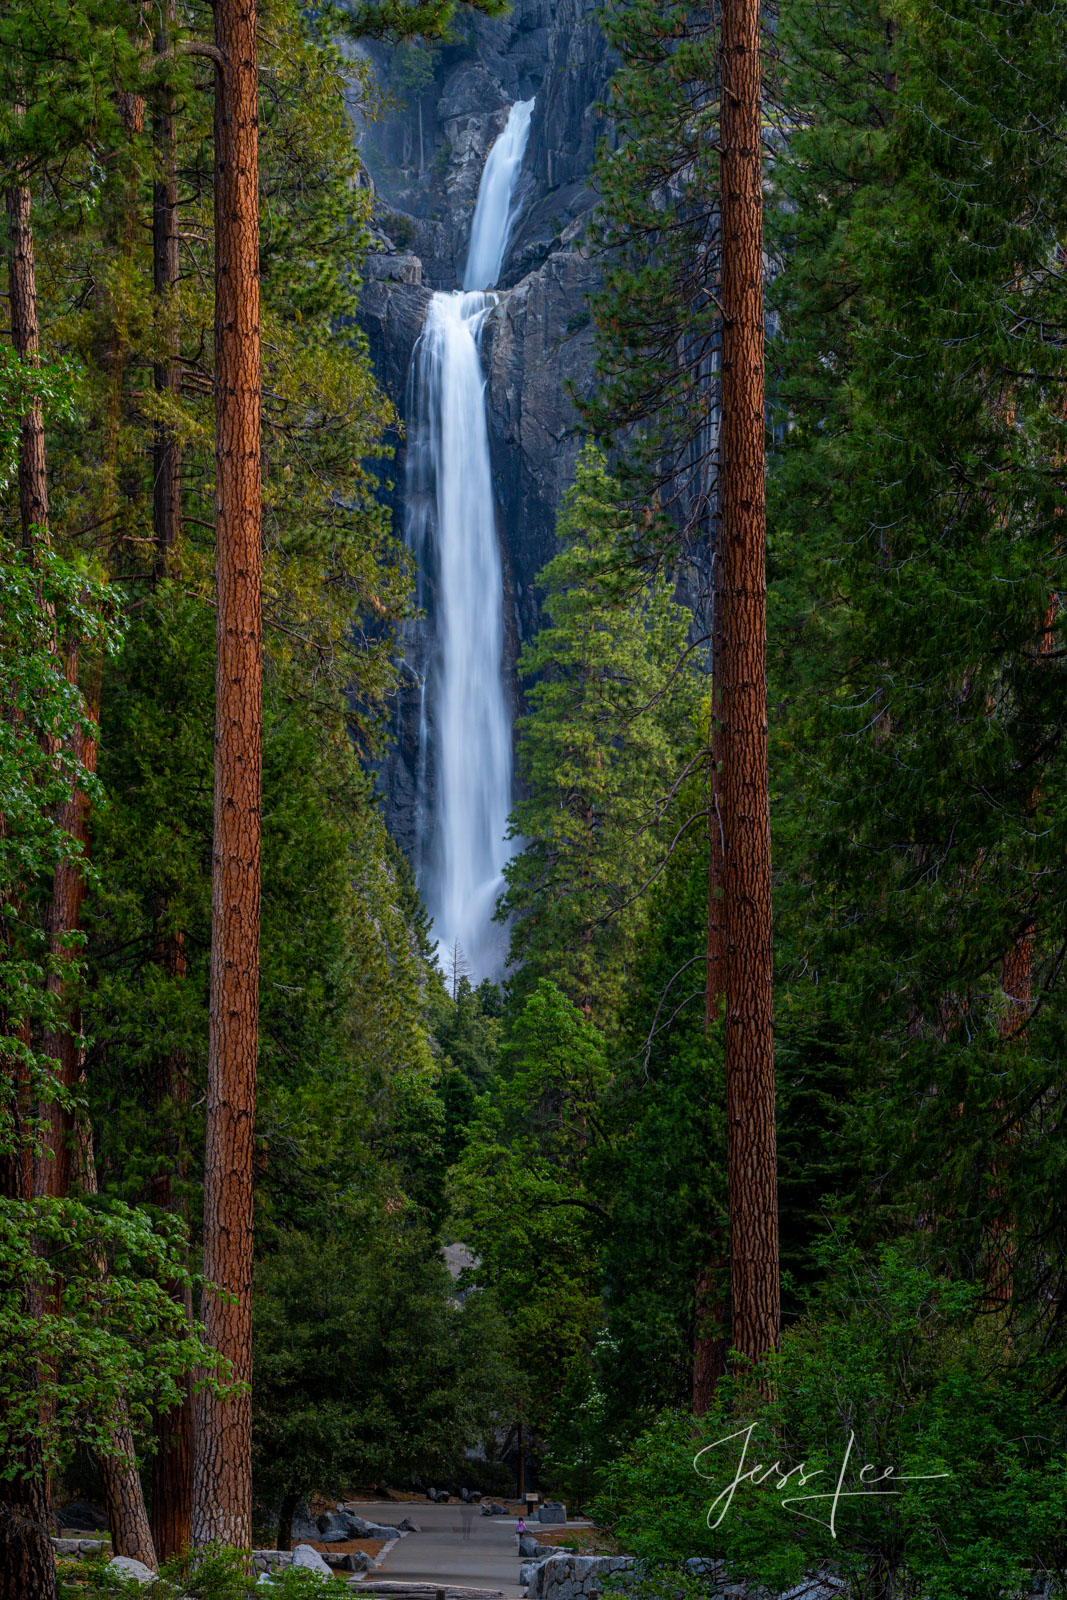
{"x":465,"y":731}
{"x":494,"y":211}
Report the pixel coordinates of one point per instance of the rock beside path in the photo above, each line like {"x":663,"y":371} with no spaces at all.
{"x":127,"y":1567}
{"x":304,"y":1556}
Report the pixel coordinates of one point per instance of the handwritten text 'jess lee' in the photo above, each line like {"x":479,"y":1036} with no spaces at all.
{"x":869,"y":1479}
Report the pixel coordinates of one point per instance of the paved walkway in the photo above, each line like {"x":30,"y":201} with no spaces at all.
{"x":457,"y":1548}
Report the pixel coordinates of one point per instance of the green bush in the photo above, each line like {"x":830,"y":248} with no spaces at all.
{"x":215,"y":1573}
{"x":892,"y":1368}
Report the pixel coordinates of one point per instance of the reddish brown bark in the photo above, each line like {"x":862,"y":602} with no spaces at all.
{"x":222,"y":1478}
{"x":749,"y":1040}
{"x":25,"y":337}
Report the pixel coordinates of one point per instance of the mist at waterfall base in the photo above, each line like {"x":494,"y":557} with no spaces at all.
{"x":464,"y":765}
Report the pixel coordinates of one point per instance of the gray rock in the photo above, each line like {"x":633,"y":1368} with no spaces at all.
{"x":65,"y":1547}
{"x":442,"y":1497}
{"x":553,"y":1511}
{"x":127,"y":1567}
{"x":333,"y":1527}
{"x":405,"y":1525}
{"x":310,"y":1560}
{"x":350,"y":1561}
{"x":529,"y":1547}
{"x":359,"y":1528}
{"x":304,"y":1527}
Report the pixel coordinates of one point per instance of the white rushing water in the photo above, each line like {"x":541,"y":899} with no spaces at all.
{"x":494,"y":212}
{"x":465,"y":737}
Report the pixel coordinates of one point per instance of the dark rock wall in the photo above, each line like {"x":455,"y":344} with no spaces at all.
{"x":425,"y":157}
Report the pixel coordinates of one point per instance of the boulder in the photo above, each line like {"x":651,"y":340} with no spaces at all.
{"x":310,"y":1560}
{"x":405,"y":1525}
{"x":127,"y":1567}
{"x":332,"y":1527}
{"x":442,"y":1497}
{"x":359,"y":1528}
{"x":304,"y":1526}
{"x":350,"y":1561}
{"x":552,"y":1511}
{"x":529,"y":1547}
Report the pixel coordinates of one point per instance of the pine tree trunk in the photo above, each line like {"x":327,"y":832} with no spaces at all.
{"x":126,"y":1515}
{"x":27,"y":1560}
{"x":222,"y":1476}
{"x":25,"y":337}
{"x":166,"y":448}
{"x":749,"y":1041}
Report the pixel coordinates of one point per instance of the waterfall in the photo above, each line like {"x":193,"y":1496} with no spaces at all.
{"x":465,"y":732}
{"x":493,"y":212}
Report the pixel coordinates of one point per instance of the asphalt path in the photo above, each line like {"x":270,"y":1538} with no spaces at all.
{"x":457,"y":1547}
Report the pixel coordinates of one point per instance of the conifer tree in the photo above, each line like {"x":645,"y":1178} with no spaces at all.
{"x":918,"y":504}
{"x":222,"y":1458}
{"x":612,"y":696}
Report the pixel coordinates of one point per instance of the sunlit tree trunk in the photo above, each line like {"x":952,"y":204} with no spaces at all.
{"x":222,"y":1475}
{"x":749,"y":1041}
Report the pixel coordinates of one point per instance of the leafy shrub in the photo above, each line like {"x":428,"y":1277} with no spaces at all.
{"x":946,"y":1447}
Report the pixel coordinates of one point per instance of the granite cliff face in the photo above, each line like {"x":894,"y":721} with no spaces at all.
{"x":425,"y":157}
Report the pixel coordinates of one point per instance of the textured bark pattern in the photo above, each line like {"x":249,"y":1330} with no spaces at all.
{"x":751,"y":1151}
{"x":222,"y":1478}
{"x":33,"y":478}
{"x":27,"y":1560}
{"x":166,"y":449}
{"x":126,"y":1515}
{"x":172,"y":1479}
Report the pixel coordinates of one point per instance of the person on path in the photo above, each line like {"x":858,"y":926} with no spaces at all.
{"x":520,"y":1529}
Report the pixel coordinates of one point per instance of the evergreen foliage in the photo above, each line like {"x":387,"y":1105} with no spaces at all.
{"x":612,"y":690}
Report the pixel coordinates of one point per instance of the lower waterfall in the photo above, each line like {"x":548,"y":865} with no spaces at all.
{"x":465,"y":732}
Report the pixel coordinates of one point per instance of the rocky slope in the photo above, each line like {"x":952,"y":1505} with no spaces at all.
{"x":425,"y":157}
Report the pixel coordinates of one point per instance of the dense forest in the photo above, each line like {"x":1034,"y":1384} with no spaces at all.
{"x":757,"y":1143}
